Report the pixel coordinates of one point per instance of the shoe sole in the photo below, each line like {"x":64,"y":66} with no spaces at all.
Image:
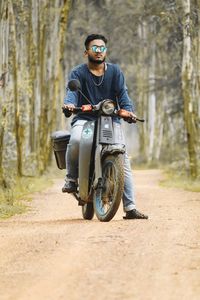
{"x":69,"y":191}
{"x":125,"y":218}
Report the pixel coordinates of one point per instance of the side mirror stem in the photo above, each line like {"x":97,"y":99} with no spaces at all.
{"x":79,"y":90}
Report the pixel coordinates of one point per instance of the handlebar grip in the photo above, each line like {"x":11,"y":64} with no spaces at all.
{"x":140,"y":120}
{"x":131,"y":120}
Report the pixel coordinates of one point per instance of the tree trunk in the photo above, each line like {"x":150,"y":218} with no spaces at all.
{"x":187,"y":86}
{"x":19,"y":134}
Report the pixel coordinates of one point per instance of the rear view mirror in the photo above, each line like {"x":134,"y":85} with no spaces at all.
{"x":74,"y":85}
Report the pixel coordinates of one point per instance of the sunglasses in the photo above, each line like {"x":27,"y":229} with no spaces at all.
{"x":97,"y":49}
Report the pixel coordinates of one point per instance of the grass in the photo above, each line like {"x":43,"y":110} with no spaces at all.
{"x":180,"y":181}
{"x":174,"y":175}
{"x":15,"y":200}
{"x":7,"y":210}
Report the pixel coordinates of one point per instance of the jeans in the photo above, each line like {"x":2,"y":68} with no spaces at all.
{"x":72,"y":155}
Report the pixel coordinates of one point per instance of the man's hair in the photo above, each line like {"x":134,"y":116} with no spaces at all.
{"x":92,"y":37}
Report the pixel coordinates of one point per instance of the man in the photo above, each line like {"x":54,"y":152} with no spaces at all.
{"x":99,"y":80}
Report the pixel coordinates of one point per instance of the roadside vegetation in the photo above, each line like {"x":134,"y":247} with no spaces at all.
{"x":180,"y":181}
{"x":15,"y":200}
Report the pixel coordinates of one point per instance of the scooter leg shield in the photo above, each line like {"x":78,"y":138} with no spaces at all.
{"x":85,"y":152}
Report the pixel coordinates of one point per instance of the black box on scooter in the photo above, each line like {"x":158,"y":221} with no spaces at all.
{"x":60,"y":141}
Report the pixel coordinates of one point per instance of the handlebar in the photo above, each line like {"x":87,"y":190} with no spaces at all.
{"x":122,"y":113}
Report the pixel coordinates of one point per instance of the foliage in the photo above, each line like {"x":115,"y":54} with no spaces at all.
{"x":174,"y":179}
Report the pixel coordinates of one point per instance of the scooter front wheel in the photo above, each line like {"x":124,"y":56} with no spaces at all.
{"x":108,"y":197}
{"x":88,"y":211}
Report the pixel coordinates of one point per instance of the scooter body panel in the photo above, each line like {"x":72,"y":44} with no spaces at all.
{"x":92,"y":148}
{"x":109,"y":141}
{"x":85,"y":152}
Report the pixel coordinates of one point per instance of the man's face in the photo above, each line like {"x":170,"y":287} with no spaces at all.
{"x":96,"y":51}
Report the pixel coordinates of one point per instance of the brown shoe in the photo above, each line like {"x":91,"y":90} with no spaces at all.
{"x":134,"y":214}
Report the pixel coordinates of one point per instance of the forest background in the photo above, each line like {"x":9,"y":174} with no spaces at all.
{"x":157,"y":45}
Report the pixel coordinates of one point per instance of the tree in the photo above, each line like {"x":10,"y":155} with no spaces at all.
{"x":32,"y":39}
{"x":188,"y":89}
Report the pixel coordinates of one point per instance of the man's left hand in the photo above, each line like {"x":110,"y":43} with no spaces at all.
{"x":133,"y":117}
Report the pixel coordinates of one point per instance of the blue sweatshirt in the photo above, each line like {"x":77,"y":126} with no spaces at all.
{"x":97,"y":88}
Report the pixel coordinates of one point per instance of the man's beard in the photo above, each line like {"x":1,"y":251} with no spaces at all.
{"x":94,"y":61}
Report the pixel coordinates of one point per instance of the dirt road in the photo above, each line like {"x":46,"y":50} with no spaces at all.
{"x":51,"y":253}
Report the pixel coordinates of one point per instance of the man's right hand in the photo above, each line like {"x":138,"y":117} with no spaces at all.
{"x":69,"y":107}
{"x":68,"y":110}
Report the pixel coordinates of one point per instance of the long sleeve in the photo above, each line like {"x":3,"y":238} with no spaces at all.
{"x":122,"y":93}
{"x":71,"y":97}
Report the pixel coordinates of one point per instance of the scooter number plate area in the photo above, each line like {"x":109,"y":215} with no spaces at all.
{"x":106,"y":131}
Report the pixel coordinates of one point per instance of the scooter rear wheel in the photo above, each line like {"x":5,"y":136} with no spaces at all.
{"x":88,"y":211}
{"x":107,"y":199}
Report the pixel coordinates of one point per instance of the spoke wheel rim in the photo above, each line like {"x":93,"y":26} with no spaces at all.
{"x":106,"y":195}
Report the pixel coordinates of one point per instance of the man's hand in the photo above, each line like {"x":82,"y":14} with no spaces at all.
{"x":128,"y":116}
{"x":133,"y":117}
{"x":69,"y":107}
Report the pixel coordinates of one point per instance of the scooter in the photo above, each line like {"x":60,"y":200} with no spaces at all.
{"x":101,"y":171}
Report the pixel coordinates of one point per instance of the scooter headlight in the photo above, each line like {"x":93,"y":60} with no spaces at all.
{"x":108,"y":107}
